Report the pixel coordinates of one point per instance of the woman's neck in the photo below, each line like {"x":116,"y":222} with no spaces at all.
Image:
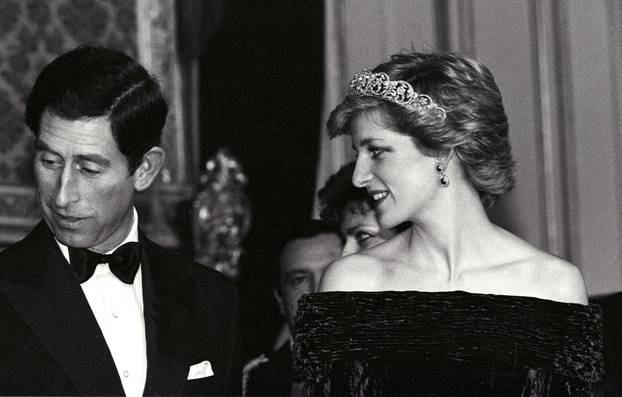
{"x":453,"y":234}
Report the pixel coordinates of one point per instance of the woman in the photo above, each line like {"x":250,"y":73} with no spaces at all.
{"x":472,"y":307}
{"x":350,"y":207}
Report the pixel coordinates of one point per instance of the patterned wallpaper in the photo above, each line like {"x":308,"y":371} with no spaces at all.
{"x":32,"y":33}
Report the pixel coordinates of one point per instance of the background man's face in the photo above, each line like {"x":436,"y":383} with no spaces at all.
{"x":83,"y":184}
{"x":303,"y":262}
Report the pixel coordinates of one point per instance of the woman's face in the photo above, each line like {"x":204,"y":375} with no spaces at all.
{"x":360,"y":229}
{"x":400,"y":179}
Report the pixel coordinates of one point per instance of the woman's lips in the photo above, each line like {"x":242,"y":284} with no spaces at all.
{"x":378,"y":196}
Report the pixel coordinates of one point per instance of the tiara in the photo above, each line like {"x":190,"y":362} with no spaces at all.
{"x":379,"y":85}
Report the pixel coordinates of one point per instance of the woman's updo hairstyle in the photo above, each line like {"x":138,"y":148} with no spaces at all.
{"x":475,"y":126}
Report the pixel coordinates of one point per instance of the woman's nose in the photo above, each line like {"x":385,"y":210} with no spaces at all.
{"x":361,"y":175}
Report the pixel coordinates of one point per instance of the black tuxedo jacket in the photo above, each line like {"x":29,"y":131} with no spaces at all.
{"x":50,"y":343}
{"x":274,"y":377}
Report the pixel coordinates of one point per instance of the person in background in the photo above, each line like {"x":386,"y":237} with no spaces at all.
{"x":453,"y":305}
{"x":612,"y":344}
{"x":305,"y":254}
{"x":351,"y":208}
{"x":88,"y":304}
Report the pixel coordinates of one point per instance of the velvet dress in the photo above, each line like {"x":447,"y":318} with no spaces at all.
{"x":446,"y":344}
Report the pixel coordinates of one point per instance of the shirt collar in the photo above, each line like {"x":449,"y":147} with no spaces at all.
{"x":131,"y":237}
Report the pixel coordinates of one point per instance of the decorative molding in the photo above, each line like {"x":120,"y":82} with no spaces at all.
{"x":461,"y":27}
{"x":19,"y":213}
{"x":161,"y":206}
{"x":157,"y":51}
{"x":18,"y":205}
{"x":567,"y":139}
{"x":547,"y":118}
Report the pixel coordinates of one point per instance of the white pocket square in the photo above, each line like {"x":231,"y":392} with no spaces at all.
{"x":200,"y":370}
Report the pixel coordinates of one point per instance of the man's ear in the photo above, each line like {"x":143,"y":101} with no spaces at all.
{"x":279,"y":301}
{"x":148,"y":168}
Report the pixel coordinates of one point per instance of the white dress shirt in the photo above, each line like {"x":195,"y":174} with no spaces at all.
{"x":118,"y":309}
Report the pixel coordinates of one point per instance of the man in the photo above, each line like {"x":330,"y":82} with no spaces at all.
{"x":302,"y":260}
{"x":140,"y":321}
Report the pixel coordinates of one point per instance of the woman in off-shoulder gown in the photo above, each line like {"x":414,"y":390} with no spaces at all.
{"x":454,"y":305}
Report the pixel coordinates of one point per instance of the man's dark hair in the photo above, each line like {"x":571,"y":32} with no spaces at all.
{"x":306,"y":229}
{"x":93,"y":81}
{"x":339,"y":194}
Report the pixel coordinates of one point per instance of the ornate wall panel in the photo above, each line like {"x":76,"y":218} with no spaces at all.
{"x":165,"y":208}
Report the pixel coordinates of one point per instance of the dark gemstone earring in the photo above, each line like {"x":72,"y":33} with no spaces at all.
{"x":442,"y":178}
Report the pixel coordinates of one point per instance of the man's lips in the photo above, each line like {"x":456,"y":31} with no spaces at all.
{"x":67,"y":219}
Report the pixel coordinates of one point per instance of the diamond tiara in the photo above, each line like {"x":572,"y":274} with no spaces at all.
{"x":379,"y":85}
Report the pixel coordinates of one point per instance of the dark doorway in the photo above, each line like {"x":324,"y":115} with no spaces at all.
{"x":261,"y":89}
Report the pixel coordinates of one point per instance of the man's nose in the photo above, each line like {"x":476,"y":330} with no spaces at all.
{"x":361,"y":175}
{"x":68,"y":191}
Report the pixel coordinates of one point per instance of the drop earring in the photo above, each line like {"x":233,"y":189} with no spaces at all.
{"x":443,"y":179}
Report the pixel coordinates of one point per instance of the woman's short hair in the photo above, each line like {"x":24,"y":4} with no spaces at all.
{"x":475,"y":126}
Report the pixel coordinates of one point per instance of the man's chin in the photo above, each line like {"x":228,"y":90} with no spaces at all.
{"x":71,"y":238}
{"x":74,"y":242}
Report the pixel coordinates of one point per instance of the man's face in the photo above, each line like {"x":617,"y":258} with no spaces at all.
{"x":303,"y":262}
{"x":84,"y":186}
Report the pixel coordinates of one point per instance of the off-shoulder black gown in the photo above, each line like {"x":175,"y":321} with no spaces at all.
{"x":446,"y":344}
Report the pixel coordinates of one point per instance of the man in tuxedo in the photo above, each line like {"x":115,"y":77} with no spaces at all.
{"x":88,"y":304}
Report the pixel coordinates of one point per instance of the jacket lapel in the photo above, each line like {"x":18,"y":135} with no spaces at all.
{"x":44,"y":290}
{"x":167,"y":301}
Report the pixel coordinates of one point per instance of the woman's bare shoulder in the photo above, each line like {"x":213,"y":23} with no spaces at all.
{"x":557,"y":279}
{"x":537,"y":273}
{"x":356,"y":272}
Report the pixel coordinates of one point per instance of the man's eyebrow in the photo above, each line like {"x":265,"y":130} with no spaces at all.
{"x":352,"y":229}
{"x":295,"y":271}
{"x":40,"y":145}
{"x":94,"y":158}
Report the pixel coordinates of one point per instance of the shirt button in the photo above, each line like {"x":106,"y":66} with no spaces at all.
{"x":126,"y":373}
{"x":115,"y":315}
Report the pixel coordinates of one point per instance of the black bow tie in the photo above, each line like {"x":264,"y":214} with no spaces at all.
{"x":123,"y":262}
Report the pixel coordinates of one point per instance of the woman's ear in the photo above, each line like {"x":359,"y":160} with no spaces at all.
{"x":148,"y":168}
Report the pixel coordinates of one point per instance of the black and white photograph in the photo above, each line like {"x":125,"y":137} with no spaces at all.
{"x":311,"y":198}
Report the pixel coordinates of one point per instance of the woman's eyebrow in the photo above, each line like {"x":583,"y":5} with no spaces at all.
{"x":366,"y":142}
